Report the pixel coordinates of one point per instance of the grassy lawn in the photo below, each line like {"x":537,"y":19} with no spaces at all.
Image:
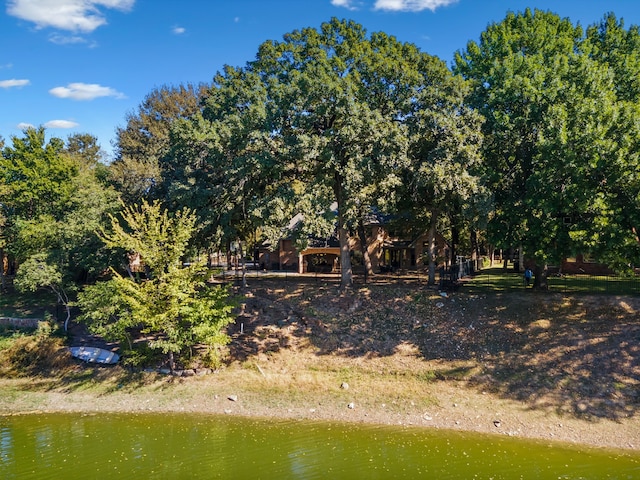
{"x":26,"y":305}
{"x":498,"y":280}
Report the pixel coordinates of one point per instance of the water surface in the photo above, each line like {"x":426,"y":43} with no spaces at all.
{"x":179,"y":446}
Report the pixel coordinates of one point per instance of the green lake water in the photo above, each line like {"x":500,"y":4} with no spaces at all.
{"x":174,"y":446}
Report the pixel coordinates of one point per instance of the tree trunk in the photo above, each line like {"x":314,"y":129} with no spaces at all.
{"x":364,"y":246}
{"x":66,"y":320}
{"x":505,"y":259}
{"x":432,"y":249}
{"x":520,"y":259}
{"x":540,"y":277}
{"x":3,"y":281}
{"x":172,"y":363}
{"x":346,"y":272}
{"x":63,"y":300}
{"x":475,"y":250}
{"x":455,"y":241}
{"x":244,"y":265}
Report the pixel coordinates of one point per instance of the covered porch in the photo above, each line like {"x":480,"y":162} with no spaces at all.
{"x":319,"y":260}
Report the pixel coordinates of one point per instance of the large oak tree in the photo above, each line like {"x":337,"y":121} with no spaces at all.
{"x":319,"y":118}
{"x":550,"y":134}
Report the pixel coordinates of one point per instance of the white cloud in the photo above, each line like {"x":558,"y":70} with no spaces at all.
{"x":344,"y":3}
{"x":24,"y":126}
{"x":410,"y":5}
{"x":73,"y":15}
{"x":13,"y":83}
{"x":85,"y":91}
{"x":66,"y":40}
{"x":61,"y":124}
{"x":179,"y":30}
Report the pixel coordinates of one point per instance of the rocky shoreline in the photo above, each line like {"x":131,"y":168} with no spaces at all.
{"x":452,"y":407}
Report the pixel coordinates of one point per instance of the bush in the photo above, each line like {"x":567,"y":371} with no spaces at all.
{"x":33,"y":355}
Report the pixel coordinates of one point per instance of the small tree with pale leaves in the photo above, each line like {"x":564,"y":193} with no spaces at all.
{"x":174,"y":308}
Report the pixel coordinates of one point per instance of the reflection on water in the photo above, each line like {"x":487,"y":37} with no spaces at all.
{"x":155,"y":446}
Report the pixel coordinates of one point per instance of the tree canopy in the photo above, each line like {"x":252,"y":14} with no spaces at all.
{"x":173,"y":307}
{"x":142,"y":144}
{"x":320,"y":118}
{"x":53,"y":202}
{"x":530,"y":141}
{"x":556,"y":130}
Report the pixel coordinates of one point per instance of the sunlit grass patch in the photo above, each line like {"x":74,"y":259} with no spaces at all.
{"x":500,"y":280}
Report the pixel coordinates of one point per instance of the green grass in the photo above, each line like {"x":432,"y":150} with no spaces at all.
{"x":497,"y":280}
{"x":494,"y":280}
{"x":595,"y":284}
{"x":8,"y":336}
{"x":26,"y":305}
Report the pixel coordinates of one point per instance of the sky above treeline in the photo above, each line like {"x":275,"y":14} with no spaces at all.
{"x":79,"y":66}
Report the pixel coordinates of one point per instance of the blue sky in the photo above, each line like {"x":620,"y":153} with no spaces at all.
{"x":78,"y":66}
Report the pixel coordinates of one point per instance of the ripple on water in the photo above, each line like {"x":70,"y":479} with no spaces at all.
{"x":154,"y":446}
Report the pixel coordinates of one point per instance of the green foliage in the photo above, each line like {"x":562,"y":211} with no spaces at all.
{"x":85,"y":148}
{"x":174,"y":308}
{"x":445,"y":142}
{"x":561,"y":148}
{"x":36,"y":175}
{"x":36,"y":353}
{"x":52,"y":201}
{"x":612,"y":232}
{"x":518,"y":70}
{"x":533,"y":138}
{"x":153,"y":233}
{"x":336,"y":95}
{"x":145,"y":140}
{"x":105,"y":306}
{"x":319,"y":118}
{"x":35,"y":273}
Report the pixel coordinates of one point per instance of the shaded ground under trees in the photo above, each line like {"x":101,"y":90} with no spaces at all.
{"x":578,"y":355}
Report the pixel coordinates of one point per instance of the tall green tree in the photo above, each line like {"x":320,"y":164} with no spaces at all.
{"x":39,"y":272}
{"x":144,"y":141}
{"x":577,"y":169}
{"x":37,"y":173}
{"x":612,"y":233}
{"x":214,"y":164}
{"x":53,"y":202}
{"x":342,"y":145}
{"x":522,"y":70}
{"x":610,"y":43}
{"x":85,"y":147}
{"x":315,"y":120}
{"x":174,"y":307}
{"x":445,"y":154}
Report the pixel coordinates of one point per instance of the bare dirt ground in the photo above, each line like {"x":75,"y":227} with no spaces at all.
{"x":528,"y":364}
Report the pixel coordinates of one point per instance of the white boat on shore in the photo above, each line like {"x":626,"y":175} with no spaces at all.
{"x":94,"y":355}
